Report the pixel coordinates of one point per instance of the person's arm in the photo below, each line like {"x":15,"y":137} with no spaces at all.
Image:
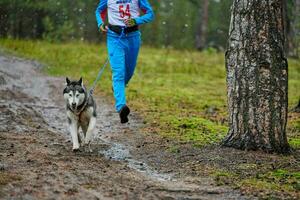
{"x":148,"y":13}
{"x":101,"y":12}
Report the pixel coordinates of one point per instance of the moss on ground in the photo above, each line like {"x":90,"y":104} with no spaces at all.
{"x":278,"y":183}
{"x":200,"y":131}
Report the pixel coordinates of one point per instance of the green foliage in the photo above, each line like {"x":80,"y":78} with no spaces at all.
{"x":219,"y":20}
{"x":176,"y":21}
{"x":175,"y":24}
{"x":52,"y":20}
{"x":58,"y":33}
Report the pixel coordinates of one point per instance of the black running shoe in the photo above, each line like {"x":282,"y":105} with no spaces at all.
{"x":124,"y":114}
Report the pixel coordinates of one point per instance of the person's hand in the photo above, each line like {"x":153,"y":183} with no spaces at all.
{"x":103,"y":28}
{"x":130,"y":22}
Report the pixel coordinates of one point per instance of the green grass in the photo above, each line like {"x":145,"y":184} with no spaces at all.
{"x":182,"y":94}
{"x":265,"y":185}
{"x":196,"y":129}
{"x":279,"y":181}
{"x":294,"y":142}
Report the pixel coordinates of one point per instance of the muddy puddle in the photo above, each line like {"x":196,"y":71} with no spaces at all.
{"x":120,"y":152}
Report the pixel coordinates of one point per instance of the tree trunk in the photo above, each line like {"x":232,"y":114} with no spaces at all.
{"x":201,"y":34}
{"x":3,"y":21}
{"x":257,"y":77}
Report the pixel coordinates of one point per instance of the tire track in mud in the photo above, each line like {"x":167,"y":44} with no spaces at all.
{"x":36,"y":161}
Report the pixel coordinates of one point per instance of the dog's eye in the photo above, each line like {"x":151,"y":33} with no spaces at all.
{"x":70,"y":95}
{"x":77,"y":95}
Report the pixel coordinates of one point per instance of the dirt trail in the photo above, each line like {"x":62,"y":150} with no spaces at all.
{"x":36,"y":161}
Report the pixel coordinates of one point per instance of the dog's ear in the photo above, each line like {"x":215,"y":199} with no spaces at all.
{"x":80,"y":81}
{"x":68,"y":81}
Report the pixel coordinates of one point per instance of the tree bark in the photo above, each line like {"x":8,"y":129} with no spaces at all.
{"x":3,"y":20}
{"x":257,"y":77}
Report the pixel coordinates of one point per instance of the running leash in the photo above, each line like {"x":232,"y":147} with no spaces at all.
{"x":91,"y":91}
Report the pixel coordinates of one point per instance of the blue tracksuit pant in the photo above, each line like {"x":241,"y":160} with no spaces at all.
{"x":123,"y":53}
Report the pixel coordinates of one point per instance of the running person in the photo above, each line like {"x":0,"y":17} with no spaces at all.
{"x":123,"y":18}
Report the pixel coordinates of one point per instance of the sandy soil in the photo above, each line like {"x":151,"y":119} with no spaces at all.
{"x":36,"y":161}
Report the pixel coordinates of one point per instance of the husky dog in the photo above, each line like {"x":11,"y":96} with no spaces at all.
{"x":81,"y":112}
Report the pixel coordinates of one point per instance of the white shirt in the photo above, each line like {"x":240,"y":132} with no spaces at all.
{"x":119,"y":10}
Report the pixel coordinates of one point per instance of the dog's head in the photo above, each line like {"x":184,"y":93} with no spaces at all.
{"x":74,"y":93}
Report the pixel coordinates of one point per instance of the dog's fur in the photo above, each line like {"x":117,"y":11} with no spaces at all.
{"x":81,"y":112}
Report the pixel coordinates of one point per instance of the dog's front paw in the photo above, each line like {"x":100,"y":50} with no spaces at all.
{"x":75,"y":150}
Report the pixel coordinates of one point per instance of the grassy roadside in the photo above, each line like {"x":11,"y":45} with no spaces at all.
{"x":181,"y":94}
{"x":184,"y":91}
